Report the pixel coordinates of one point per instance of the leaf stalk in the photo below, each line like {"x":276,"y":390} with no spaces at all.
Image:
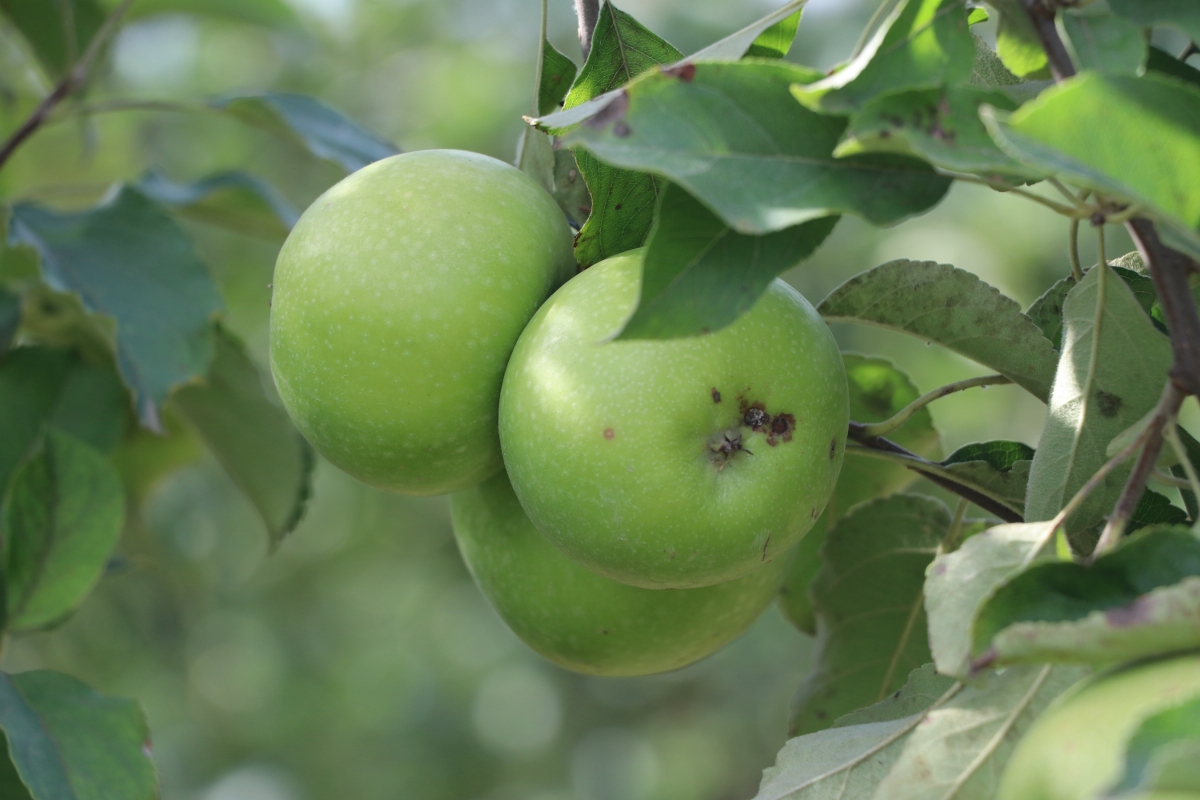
{"x":886,"y":427}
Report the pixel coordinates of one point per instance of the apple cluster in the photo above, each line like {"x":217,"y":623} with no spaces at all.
{"x":628,"y":507}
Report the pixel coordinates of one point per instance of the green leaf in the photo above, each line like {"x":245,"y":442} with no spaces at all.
{"x":977,"y":15}
{"x":849,"y":759}
{"x":960,"y":749}
{"x":269,"y":13}
{"x":1160,"y":60}
{"x":129,"y":260}
{"x":62,"y":519}
{"x":1046,"y":311}
{"x":727,"y":133}
{"x":10,"y":319}
{"x":1181,"y":14}
{"x":941,"y":126}
{"x":69,"y":742}
{"x":878,"y":391}
{"x":1164,"y":752}
{"x":989,"y":72}
{"x":1137,"y":601}
{"x":1113,"y":367}
{"x":535,"y":157}
{"x":1104,"y":43}
{"x":57,"y":40}
{"x":1057,"y":133}
{"x":1000,"y":467}
{"x":622,"y":201}
{"x":252,"y":438}
{"x":234,"y":200}
{"x":699,"y":276}
{"x":570,"y":188}
{"x":957,"y":584}
{"x":869,"y":607}
{"x":776,"y":41}
{"x":952,"y":307}
{"x":558,"y":73}
{"x":923,"y":44}
{"x":1017,"y":42}
{"x":323,"y":131}
{"x":1154,"y":509}
{"x":47,"y":386}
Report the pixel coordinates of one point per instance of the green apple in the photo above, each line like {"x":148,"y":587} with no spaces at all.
{"x":672,"y":463}
{"x":397,"y":300}
{"x":584,"y":621}
{"x":1075,"y":750}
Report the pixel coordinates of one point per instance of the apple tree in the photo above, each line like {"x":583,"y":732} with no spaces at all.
{"x":948,"y":636}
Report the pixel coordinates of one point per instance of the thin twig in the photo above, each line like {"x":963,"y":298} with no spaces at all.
{"x":1077,"y":212}
{"x":1152,"y":443}
{"x":1169,"y":268}
{"x":887,"y":426}
{"x":1167,"y":479}
{"x":588,"y":12}
{"x":1041,"y":14}
{"x":75,"y":78}
{"x":1181,"y":453}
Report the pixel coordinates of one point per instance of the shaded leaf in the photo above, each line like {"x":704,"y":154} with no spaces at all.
{"x":622,"y":201}
{"x":941,"y":126}
{"x":960,"y":749}
{"x":1160,"y":60}
{"x":234,"y":200}
{"x":878,"y":391}
{"x":253,"y":439}
{"x":1046,"y":311}
{"x":1154,"y":509}
{"x":952,"y":307}
{"x":570,"y":189}
{"x":1056,"y":133}
{"x":129,"y":260}
{"x":999,"y":467}
{"x":1181,"y":14}
{"x":271,"y":13}
{"x":1017,"y":42}
{"x":850,"y":758}
{"x":1113,"y":367}
{"x":959,"y":583}
{"x":1164,"y":752}
{"x":1104,"y":43}
{"x":698,"y":275}
{"x":323,"y":131}
{"x":69,"y":742}
{"x":923,"y":44}
{"x":63,"y":517}
{"x":558,"y":73}
{"x":10,"y":318}
{"x":535,"y":157}
{"x":1139,"y":600}
{"x":869,"y":607}
{"x":728,"y":134}
{"x":56,"y":38}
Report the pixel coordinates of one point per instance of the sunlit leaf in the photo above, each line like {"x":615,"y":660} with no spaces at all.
{"x":776,"y":40}
{"x":698,"y":275}
{"x":558,"y":73}
{"x":62,"y":518}
{"x":1017,"y":42}
{"x":952,"y":307}
{"x":69,"y":742}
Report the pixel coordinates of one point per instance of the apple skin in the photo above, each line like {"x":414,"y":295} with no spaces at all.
{"x":1076,"y":748}
{"x":584,"y":621}
{"x":610,"y":444}
{"x":397,"y":300}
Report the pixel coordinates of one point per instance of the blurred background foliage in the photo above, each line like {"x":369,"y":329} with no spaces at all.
{"x":360,"y":661}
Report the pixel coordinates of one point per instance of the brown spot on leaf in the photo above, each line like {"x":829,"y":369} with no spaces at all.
{"x":1133,"y":614}
{"x":613,"y":112}
{"x":685,"y":72}
{"x":1109,"y":404}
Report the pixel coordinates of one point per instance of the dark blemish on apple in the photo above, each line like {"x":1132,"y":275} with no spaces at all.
{"x":755,"y":417}
{"x":767,"y":542}
{"x":814,"y":512}
{"x":603,"y":632}
{"x":609,"y":433}
{"x":781,"y":428}
{"x":716,"y":396}
{"x":725,"y":446}
{"x":832,"y":448}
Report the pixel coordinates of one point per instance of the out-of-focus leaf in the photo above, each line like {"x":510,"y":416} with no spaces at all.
{"x":977,"y":15}
{"x":989,"y":72}
{"x":1055,"y":133}
{"x":558,"y":73}
{"x":850,"y":758}
{"x":69,"y":742}
{"x":1164,"y":752}
{"x":941,"y":126}
{"x":143,"y":459}
{"x":957,"y":584}
{"x":56,"y":38}
{"x":253,"y":439}
{"x":923,"y":44}
{"x":999,"y":467}
{"x":960,"y":749}
{"x":129,"y":260}
{"x":776,"y":41}
{"x":270,"y":13}
{"x":699,"y":276}
{"x":622,"y":201}
{"x":1104,"y":43}
{"x":1137,"y":601}
{"x":869,"y":606}
{"x":952,"y":307}
{"x":878,"y":390}
{"x":63,"y":517}
{"x":1181,"y":14}
{"x":323,"y":131}
{"x":727,"y":133}
{"x":768,"y":37}
{"x":1017,"y":42}
{"x":1160,"y":60}
{"x":1113,"y":367}
{"x":234,"y":200}
{"x":10,"y":319}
